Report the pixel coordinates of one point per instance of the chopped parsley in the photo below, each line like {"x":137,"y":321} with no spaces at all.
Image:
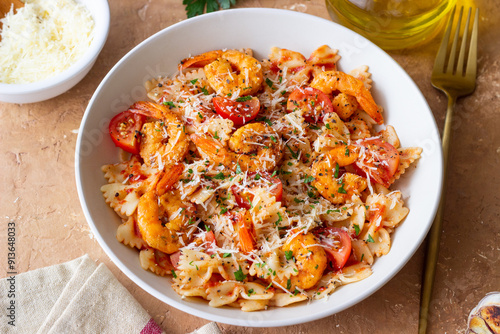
{"x":265,"y":120}
{"x":370,"y":239}
{"x":295,"y":155}
{"x":174,"y":274}
{"x":336,"y":174}
{"x":239,"y":275}
{"x":356,"y":229}
{"x":244,"y":98}
{"x":220,"y":176}
{"x":309,"y":179}
{"x":289,"y":255}
{"x":269,"y":83}
{"x":238,"y":169}
{"x":280,"y":219}
{"x":226,"y":255}
{"x":170,"y":104}
{"x":205,"y":91}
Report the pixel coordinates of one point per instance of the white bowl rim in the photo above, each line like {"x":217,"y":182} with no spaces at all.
{"x":225,"y":319}
{"x":88,"y":57}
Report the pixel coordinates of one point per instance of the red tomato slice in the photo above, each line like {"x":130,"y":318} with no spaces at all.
{"x":338,"y":245}
{"x":312,"y":101}
{"x":380,"y":160}
{"x":238,"y":112}
{"x":124,"y":130}
{"x":210,"y":239}
{"x":243,"y":198}
{"x":174,"y":259}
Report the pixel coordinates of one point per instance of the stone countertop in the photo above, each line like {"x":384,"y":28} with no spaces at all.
{"x":37,"y":144}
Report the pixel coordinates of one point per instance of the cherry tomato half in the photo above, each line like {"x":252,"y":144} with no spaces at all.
{"x":210,"y":242}
{"x":380,"y":161}
{"x":312,"y":101}
{"x":240,"y":111}
{"x":124,"y":131}
{"x":337,"y":245}
{"x":174,"y":259}
{"x":244,"y":199}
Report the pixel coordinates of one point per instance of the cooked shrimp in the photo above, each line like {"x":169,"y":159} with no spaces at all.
{"x":160,"y":218}
{"x":246,"y":80}
{"x":310,"y":259}
{"x":200,"y":60}
{"x":168,"y":179}
{"x":344,"y":105}
{"x":164,"y":142}
{"x":325,"y":170}
{"x":253,"y":147}
{"x":331,"y":81}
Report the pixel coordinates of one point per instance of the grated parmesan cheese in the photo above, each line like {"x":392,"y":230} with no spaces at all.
{"x":42,"y":39}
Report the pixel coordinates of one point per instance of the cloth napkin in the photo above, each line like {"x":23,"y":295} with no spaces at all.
{"x":75,"y":297}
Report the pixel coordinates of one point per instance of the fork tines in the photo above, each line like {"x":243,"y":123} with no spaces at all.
{"x":441,"y":59}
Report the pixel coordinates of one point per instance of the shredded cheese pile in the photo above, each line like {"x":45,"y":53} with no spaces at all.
{"x":42,"y":39}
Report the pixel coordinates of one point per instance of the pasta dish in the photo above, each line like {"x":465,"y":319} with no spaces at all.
{"x":258,"y":183}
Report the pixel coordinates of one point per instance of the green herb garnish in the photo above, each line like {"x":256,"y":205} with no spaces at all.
{"x":239,"y":276}
{"x":243,"y":98}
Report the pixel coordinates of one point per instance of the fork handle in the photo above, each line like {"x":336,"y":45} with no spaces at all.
{"x":435,"y":232}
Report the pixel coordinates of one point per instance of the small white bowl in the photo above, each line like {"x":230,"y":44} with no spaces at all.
{"x":62,"y":82}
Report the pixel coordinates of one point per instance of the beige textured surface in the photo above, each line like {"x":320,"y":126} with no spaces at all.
{"x":38,"y":190}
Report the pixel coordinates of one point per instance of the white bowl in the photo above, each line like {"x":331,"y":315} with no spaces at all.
{"x":62,"y":82}
{"x":260,"y":29}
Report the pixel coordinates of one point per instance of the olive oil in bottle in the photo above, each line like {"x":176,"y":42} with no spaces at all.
{"x":392,"y":24}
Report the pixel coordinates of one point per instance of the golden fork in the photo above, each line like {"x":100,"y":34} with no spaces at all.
{"x":454,"y":82}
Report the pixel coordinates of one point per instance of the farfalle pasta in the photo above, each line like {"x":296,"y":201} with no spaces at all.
{"x":258,"y":183}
